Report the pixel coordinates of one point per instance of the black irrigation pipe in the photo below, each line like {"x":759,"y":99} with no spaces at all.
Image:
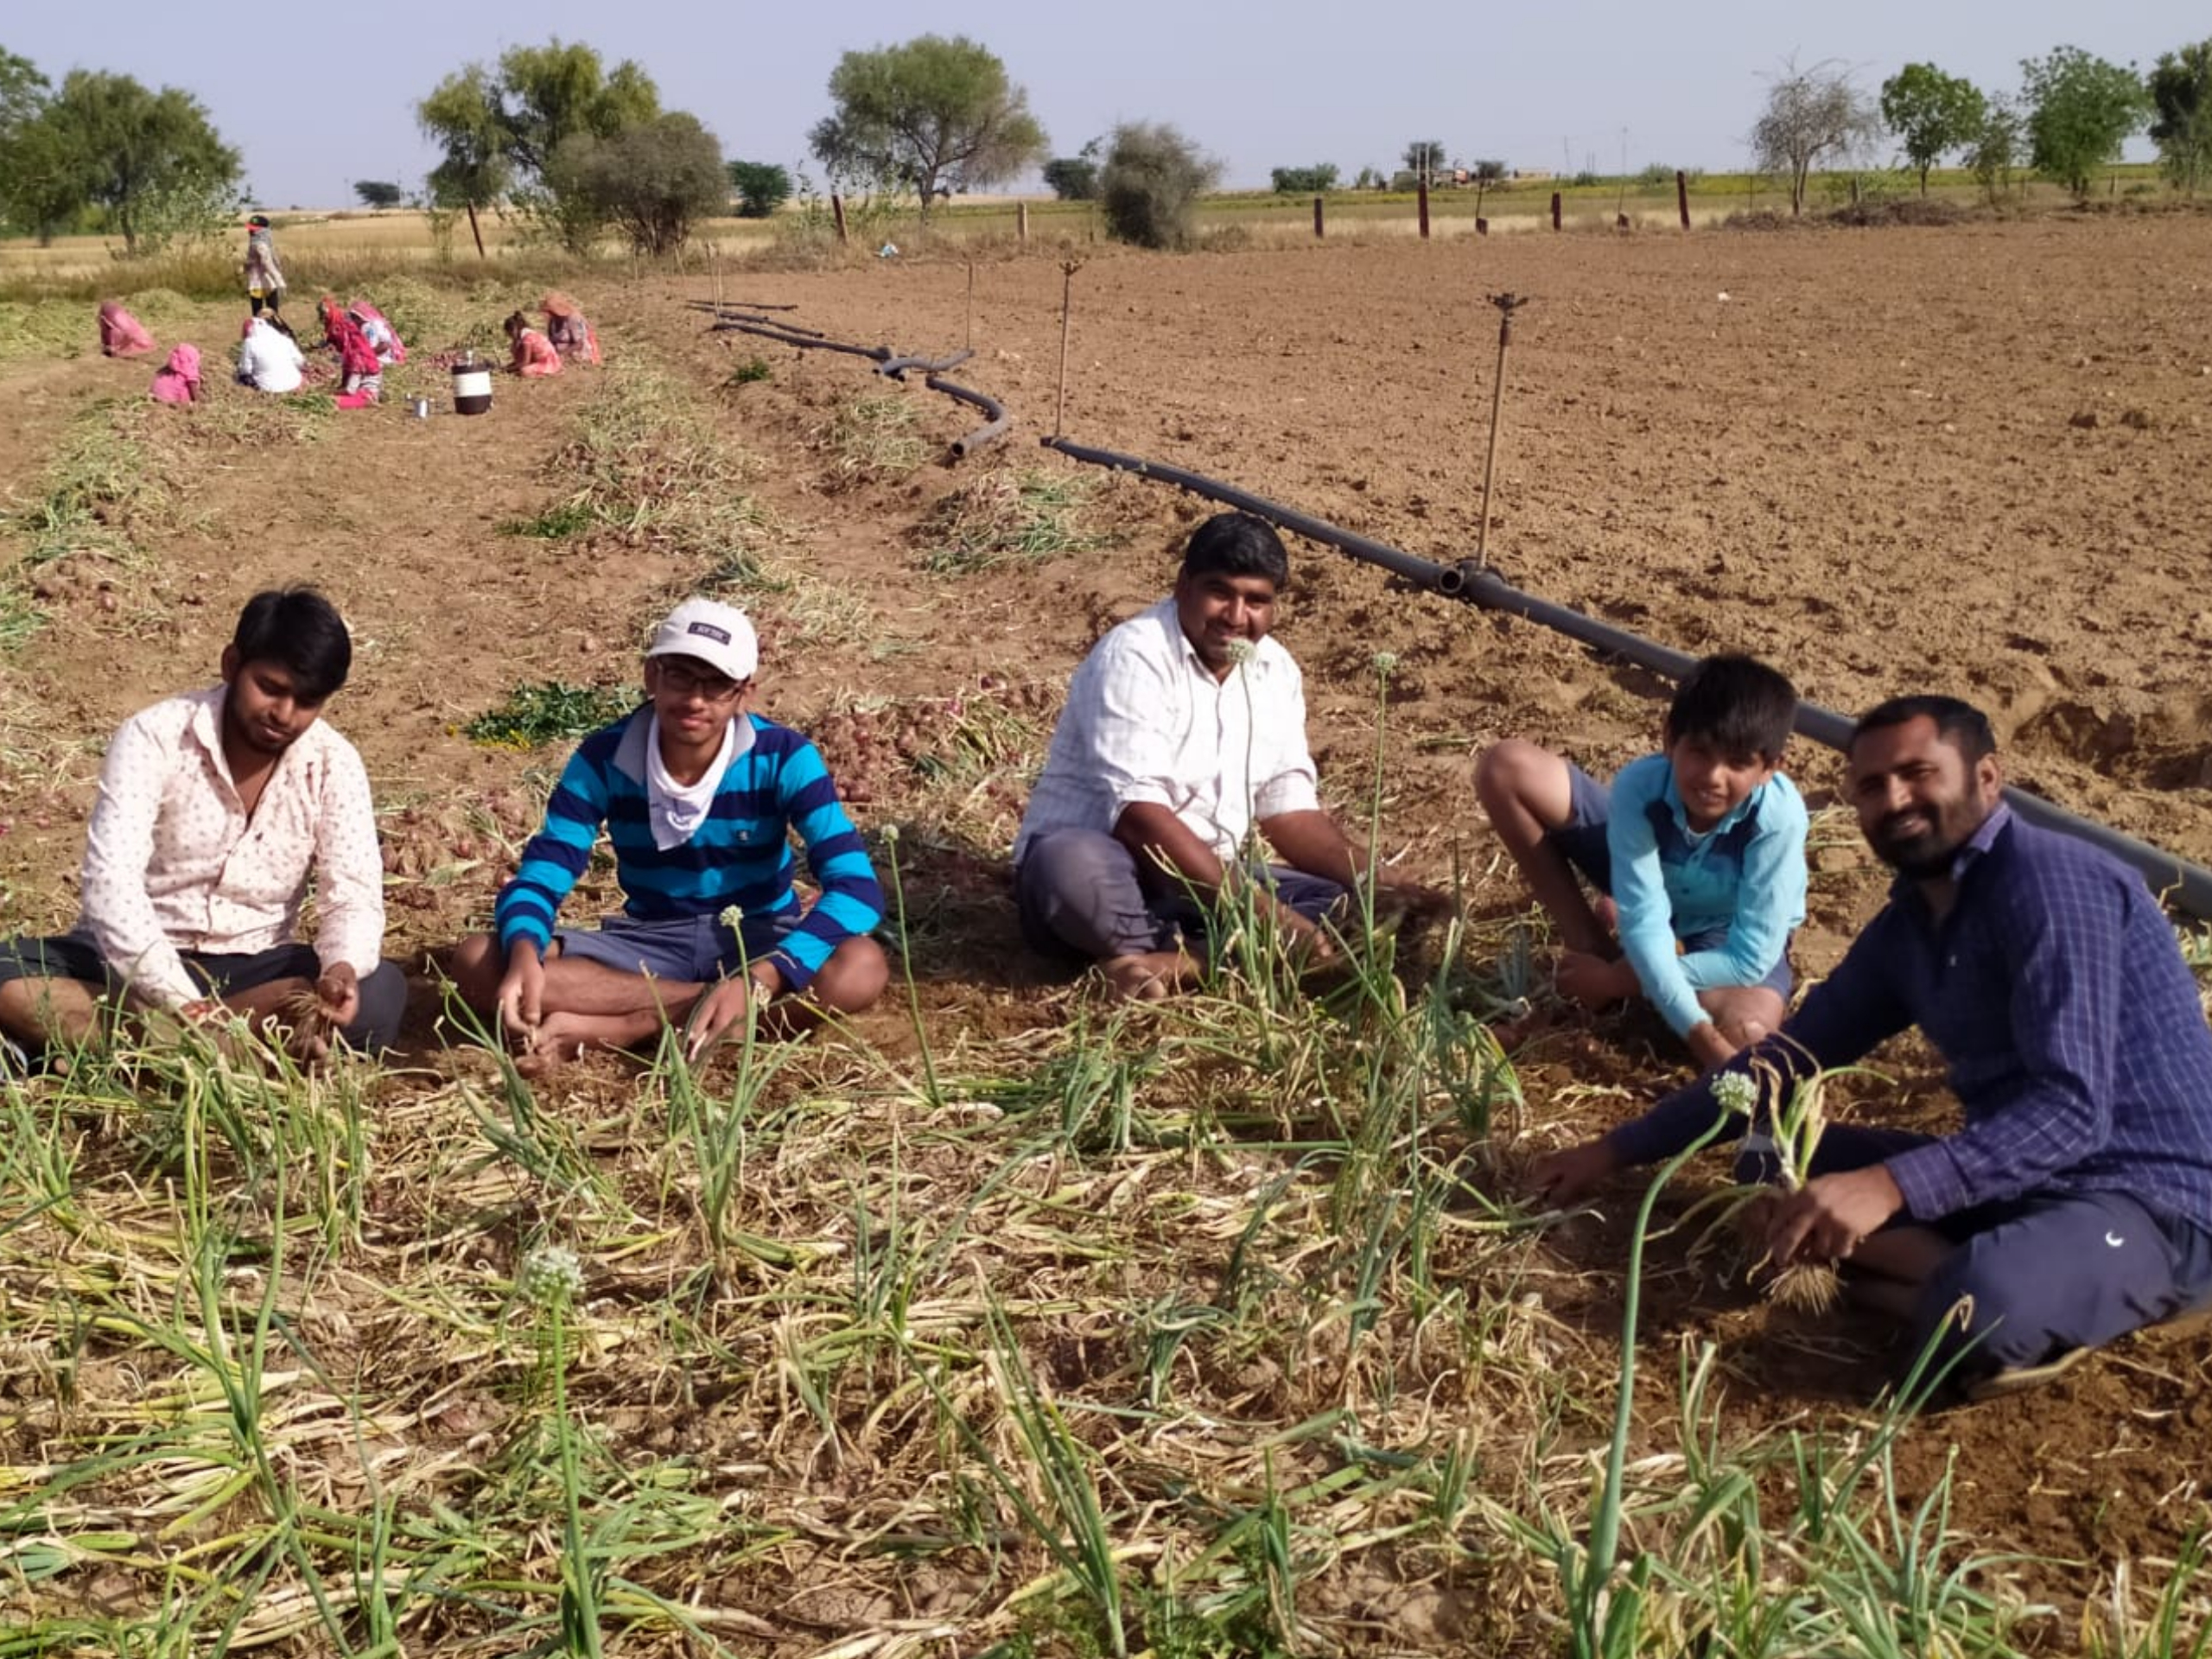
{"x":2185,"y":885}
{"x":805,"y":342}
{"x":991,"y":431}
{"x":897,"y":368}
{"x":731,"y":307}
{"x":886,"y":361}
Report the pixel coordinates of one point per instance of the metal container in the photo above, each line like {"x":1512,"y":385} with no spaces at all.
{"x":419,"y":409}
{"x":471,"y":386}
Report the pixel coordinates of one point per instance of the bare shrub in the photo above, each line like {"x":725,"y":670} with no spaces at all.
{"x":1150,"y":186}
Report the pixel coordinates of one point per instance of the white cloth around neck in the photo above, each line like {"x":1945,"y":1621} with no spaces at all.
{"x":675,"y":809}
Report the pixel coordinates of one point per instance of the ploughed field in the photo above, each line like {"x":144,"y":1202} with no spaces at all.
{"x":831,"y":1315}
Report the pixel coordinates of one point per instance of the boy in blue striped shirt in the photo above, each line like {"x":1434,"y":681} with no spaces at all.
{"x":699,"y":797}
{"x":1701,"y":847}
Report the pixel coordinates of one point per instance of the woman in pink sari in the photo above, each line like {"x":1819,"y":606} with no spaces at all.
{"x":177,"y":381}
{"x":535,"y":357}
{"x":361,"y":372}
{"x":378,"y":327}
{"x":121,"y":334}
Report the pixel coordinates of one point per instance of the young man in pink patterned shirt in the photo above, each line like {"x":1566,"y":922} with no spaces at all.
{"x":213,"y":810}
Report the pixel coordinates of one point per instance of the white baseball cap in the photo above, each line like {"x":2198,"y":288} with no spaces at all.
{"x":719,"y":635}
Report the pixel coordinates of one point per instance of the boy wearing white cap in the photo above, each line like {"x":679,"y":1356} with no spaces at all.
{"x":699,"y":797}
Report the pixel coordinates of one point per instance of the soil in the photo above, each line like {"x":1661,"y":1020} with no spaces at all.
{"x":1975,"y":460}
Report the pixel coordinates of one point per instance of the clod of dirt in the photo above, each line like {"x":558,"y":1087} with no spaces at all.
{"x":2136,"y":420}
{"x":2087,"y":420}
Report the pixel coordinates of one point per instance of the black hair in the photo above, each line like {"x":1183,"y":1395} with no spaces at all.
{"x":1738,"y":704}
{"x":1237,"y":544}
{"x":1958,"y":722}
{"x":302,"y":630}
{"x":515,"y":324}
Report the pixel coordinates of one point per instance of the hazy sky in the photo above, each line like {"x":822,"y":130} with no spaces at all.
{"x":1260,"y":86}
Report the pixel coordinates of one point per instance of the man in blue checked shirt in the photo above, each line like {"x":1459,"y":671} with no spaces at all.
{"x":2075,"y":1203}
{"x":699,"y":797}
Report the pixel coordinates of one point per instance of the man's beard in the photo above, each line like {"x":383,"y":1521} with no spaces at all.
{"x":1922,"y":857}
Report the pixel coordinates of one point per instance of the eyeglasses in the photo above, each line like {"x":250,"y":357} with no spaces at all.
{"x":686,"y":682}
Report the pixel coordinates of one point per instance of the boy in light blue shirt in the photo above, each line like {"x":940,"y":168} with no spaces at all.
{"x":1701,"y":848}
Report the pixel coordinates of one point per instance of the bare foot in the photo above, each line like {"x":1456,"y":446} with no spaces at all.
{"x":1149,"y":977}
{"x":551,"y":1045}
{"x":1510,"y":1034}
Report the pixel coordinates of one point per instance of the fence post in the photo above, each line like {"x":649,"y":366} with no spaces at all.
{"x":1317,"y":218}
{"x":1021,"y":221}
{"x":1554,"y":210}
{"x":837,"y":212}
{"x":1682,"y":196}
{"x":1423,"y":187}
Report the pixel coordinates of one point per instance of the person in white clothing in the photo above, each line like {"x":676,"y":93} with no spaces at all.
{"x":1183,"y":734}
{"x":268,"y":359}
{"x":214,"y":809}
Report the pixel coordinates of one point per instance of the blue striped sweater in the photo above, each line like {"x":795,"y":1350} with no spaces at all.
{"x":740,"y":855}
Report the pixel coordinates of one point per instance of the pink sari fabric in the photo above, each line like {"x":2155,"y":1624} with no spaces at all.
{"x":121,"y":334}
{"x":535,"y":357}
{"x":365,"y":313}
{"x":178,"y":380}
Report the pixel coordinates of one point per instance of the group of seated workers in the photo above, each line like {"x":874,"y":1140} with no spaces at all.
{"x":2074,"y":1204}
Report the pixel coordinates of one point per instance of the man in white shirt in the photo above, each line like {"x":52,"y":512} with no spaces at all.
{"x":214,"y":807}
{"x":1184,"y":733}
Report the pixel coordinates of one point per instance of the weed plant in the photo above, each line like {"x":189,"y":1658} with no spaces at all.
{"x":550,"y":711}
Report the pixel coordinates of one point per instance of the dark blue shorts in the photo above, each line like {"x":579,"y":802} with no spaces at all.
{"x":1582,"y":839}
{"x":2040,"y":1274}
{"x":687,"y":950}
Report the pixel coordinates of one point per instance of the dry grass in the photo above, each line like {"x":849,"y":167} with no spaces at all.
{"x":1005,"y":516}
{"x":871,"y":438}
{"x":1204,"y":1325}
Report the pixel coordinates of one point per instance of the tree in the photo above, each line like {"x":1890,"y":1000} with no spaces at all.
{"x":462,"y":116}
{"x":378,"y":192}
{"x":1313,"y":181}
{"x":1487,"y":171}
{"x":1995,"y":150}
{"x":552,"y":93}
{"x":2080,"y":110}
{"x":650,"y":181}
{"x":1072,"y":179}
{"x":934,"y":116}
{"x":1075,"y":178}
{"x":41,"y":190}
{"x":1424,"y":159}
{"x":152,"y":159}
{"x":2181,"y":92}
{"x":498,"y":129}
{"x":1932,"y":112}
{"x":1810,"y":113}
{"x":1151,"y":183}
{"x":761,"y":187}
{"x":23,"y":92}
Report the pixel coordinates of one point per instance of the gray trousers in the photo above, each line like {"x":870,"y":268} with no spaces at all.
{"x":1081,"y":892}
